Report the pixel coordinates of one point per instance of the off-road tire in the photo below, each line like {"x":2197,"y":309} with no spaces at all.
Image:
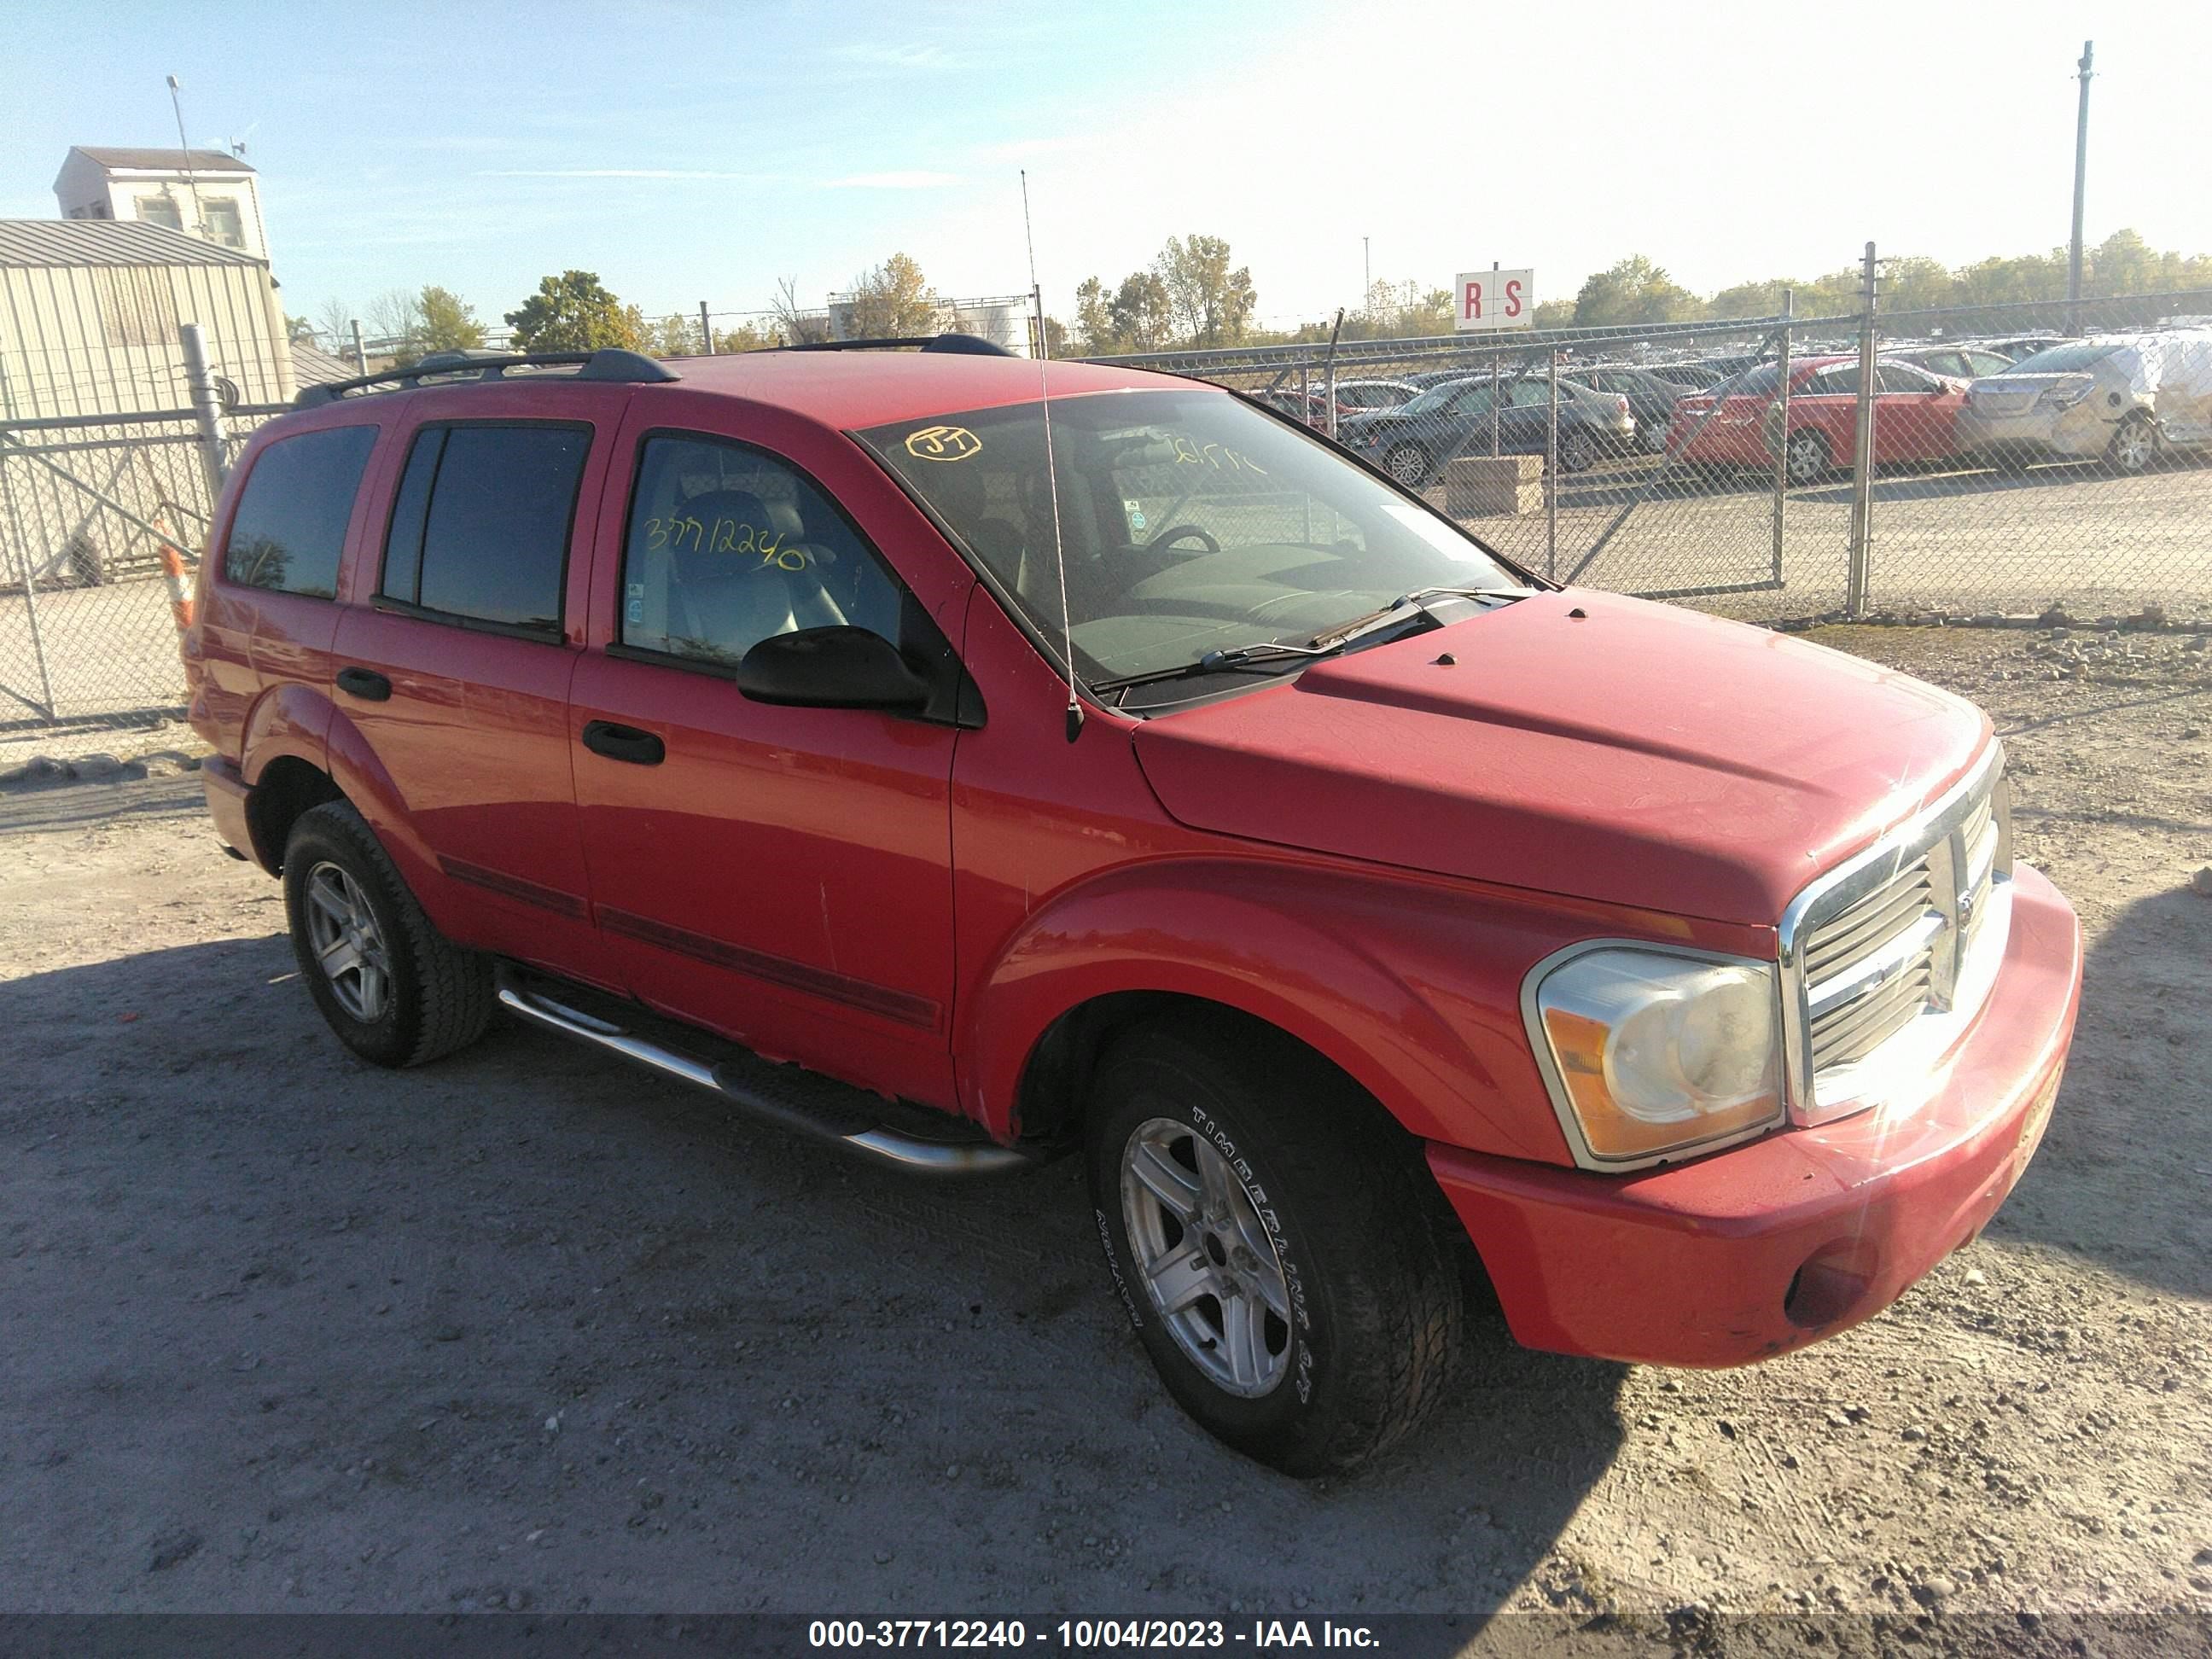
{"x":440,"y":997}
{"x":1377,"y":1299}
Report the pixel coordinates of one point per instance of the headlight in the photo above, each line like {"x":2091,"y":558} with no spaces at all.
{"x":1652,"y":1052}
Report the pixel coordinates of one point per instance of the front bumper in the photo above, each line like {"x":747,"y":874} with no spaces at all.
{"x":2084,"y":429}
{"x":1749,"y":1253}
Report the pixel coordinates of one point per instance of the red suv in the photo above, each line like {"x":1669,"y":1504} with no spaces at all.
{"x":968,"y":777}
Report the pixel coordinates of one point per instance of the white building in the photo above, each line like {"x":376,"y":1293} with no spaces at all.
{"x":201,"y":192}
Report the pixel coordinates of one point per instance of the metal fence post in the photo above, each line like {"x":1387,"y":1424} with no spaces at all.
{"x":705,"y":331}
{"x":1782,"y":448}
{"x":1495,"y":391}
{"x":21,"y":536}
{"x":1551,"y":472}
{"x":207,"y":411}
{"x":360,"y":351}
{"x":1854,"y":586}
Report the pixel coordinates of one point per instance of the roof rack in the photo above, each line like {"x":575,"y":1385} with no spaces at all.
{"x":609,"y":363}
{"x":966,"y":345}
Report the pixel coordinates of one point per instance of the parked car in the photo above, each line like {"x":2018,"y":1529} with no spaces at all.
{"x":1357,"y":395}
{"x":2121,"y":397}
{"x":1360,"y":906}
{"x":1691,"y":377}
{"x":1651,"y":399}
{"x":2017,"y":346}
{"x":1412,"y":442}
{"x":1954,"y":362}
{"x":1738,"y":425}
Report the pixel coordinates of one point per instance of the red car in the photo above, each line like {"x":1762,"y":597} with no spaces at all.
{"x":1348,"y":897}
{"x":1737,"y":424}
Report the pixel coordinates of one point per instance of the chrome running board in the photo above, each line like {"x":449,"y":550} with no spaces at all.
{"x":789,"y":1095}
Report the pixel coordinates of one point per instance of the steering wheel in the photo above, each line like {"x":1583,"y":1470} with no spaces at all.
{"x":1178,"y":532}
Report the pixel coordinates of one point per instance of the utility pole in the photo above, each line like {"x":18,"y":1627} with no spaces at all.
{"x":2081,"y":187}
{"x":1366,"y":275}
{"x":191,"y":185}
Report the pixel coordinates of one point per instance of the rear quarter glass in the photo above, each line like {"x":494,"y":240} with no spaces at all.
{"x":289,"y":528}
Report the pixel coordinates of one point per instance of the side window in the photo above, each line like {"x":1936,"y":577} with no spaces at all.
{"x":1897,"y":376}
{"x":1472,"y":400}
{"x":480,"y":528}
{"x":727,"y":546}
{"x":1530,"y":394}
{"x":1842,"y":381}
{"x":290,"y":525}
{"x":1986,"y":362}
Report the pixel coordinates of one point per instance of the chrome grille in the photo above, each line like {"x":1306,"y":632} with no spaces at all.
{"x":1886,"y":938}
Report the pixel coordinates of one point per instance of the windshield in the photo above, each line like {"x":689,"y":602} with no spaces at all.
{"x":2065,"y":359}
{"x":1192,"y":523}
{"x":1434,"y":398}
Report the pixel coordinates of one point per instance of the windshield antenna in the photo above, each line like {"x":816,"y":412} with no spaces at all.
{"x":1051,"y":470}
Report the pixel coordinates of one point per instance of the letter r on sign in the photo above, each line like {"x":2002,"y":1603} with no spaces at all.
{"x":1470,"y":301}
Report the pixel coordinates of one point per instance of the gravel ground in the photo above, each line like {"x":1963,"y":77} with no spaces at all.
{"x":281,"y":1331}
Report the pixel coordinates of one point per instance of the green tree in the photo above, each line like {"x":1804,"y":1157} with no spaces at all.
{"x":447,"y":322}
{"x":1210,"y":304}
{"x":674,"y":336}
{"x":745,"y":336}
{"x":1632,"y":291}
{"x":300,"y":330}
{"x":573,"y":312}
{"x":1548,"y":313}
{"x":893,"y":301}
{"x":1761,"y":299}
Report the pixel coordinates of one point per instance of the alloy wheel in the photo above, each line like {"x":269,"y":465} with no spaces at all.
{"x":1809,"y":459}
{"x":1407,"y":465}
{"x":2133,"y":447}
{"x":348,"y":947}
{"x":1206,"y":1259}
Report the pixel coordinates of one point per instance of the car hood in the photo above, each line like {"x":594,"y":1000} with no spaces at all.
{"x":1579,"y":744}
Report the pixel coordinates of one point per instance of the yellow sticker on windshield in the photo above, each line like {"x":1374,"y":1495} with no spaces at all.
{"x":942,"y":443}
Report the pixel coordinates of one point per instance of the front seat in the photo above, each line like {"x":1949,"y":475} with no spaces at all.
{"x":721,"y":604}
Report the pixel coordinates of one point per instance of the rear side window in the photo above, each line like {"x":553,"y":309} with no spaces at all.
{"x":290,"y":526}
{"x":480,"y":528}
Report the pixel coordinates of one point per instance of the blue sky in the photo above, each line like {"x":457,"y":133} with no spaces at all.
{"x":688,"y":151}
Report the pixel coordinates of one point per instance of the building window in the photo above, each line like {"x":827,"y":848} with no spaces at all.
{"x":161,"y":210}
{"x":223,"y":223}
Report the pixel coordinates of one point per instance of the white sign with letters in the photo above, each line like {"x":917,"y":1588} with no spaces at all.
{"x":1489,"y":300}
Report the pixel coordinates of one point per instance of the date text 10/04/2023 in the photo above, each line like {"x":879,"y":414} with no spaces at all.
{"x":1084,"y":1635}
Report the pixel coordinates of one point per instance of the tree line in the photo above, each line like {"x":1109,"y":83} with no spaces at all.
{"x":1193,"y":296}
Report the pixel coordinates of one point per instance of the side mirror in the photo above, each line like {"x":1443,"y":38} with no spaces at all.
{"x":830,"y":668}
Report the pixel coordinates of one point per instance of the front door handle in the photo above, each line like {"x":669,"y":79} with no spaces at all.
{"x":366,"y":683}
{"x":624,"y":742}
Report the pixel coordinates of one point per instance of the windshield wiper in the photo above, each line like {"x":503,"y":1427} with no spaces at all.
{"x":1255,"y":655}
{"x":1343,"y":632}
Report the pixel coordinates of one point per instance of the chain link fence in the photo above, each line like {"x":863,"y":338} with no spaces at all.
{"x":101,"y":521}
{"x":2019,"y":460}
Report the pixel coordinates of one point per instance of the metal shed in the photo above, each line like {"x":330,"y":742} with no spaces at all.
{"x":89,"y":311}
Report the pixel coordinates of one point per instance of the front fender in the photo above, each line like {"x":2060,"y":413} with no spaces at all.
{"x":1411,"y":986}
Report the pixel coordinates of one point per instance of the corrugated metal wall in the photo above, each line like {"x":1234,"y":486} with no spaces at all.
{"x":102,"y":339}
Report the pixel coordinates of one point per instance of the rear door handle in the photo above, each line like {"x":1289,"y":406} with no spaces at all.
{"x":624,"y":742}
{"x":366,"y":683}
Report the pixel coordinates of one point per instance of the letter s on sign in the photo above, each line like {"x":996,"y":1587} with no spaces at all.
{"x":1513,"y":299}
{"x":1470,"y":303}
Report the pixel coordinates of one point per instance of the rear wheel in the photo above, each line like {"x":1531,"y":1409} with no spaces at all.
{"x":394,"y":988}
{"x":1271,"y":1241}
{"x":1577,"y":450}
{"x":1651,"y":435}
{"x":2134,"y":446}
{"x":1808,"y":459}
{"x":1408,"y":464}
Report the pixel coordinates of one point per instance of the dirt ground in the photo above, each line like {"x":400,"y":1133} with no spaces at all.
{"x":523,"y":1329}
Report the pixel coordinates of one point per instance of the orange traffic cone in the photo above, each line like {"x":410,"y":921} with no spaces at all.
{"x":174,"y":572}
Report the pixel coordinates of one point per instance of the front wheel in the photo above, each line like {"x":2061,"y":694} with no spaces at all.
{"x":1408,"y":464}
{"x":1578,"y":452}
{"x":1271,"y":1241}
